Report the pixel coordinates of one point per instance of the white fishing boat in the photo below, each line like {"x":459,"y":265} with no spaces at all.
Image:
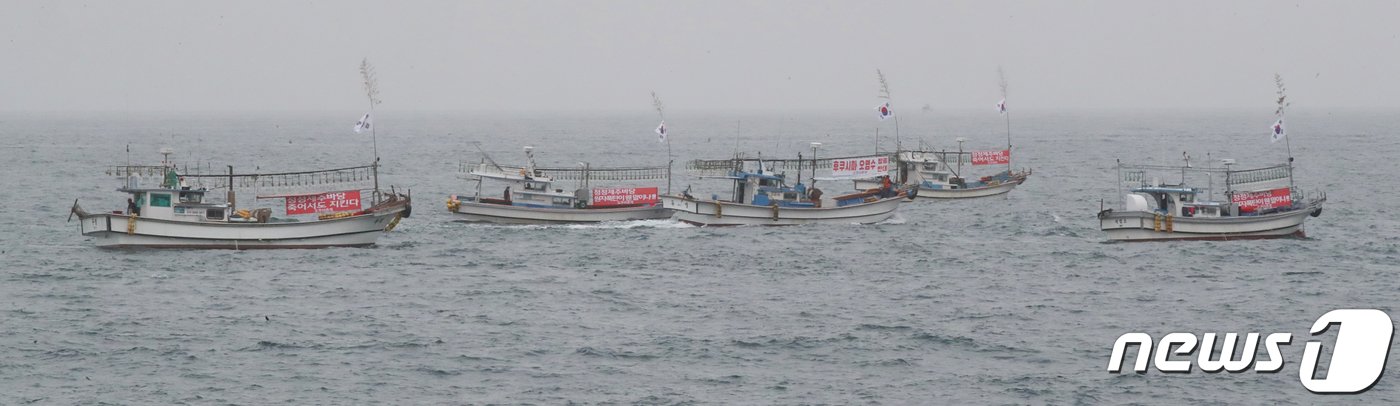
{"x":930,"y":172}
{"x":321,"y":208}
{"x":175,"y":211}
{"x":939,"y":174}
{"x":532,"y":195}
{"x":763,"y":197}
{"x":1255,"y":203}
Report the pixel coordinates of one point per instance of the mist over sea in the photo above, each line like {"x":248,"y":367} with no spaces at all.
{"x":1005,"y":300}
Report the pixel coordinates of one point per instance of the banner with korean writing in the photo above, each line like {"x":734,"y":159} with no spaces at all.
{"x":329,"y":202}
{"x":1268,"y":199}
{"x":1001,"y":157}
{"x":624,"y":196}
{"x":860,"y":168}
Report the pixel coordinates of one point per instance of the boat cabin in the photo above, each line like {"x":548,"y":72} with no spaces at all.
{"x":172,"y":200}
{"x":526,"y":189}
{"x":762,"y":189}
{"x":927,"y":171}
{"x":177,"y":205}
{"x":1176,"y":201}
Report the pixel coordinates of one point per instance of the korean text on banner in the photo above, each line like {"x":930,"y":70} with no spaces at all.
{"x":1255,"y":201}
{"x":329,"y":202}
{"x":860,"y":168}
{"x":1001,"y":157}
{"x":624,"y":196}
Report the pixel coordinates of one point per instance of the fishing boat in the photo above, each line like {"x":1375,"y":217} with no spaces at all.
{"x":763,"y":197}
{"x":321,"y":208}
{"x":930,"y":172}
{"x":1255,"y":203}
{"x":166,"y":209}
{"x":532,"y":195}
{"x":933,"y":172}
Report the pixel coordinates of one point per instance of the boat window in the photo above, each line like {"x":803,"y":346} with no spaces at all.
{"x":191,"y":197}
{"x":160,"y":199}
{"x":214,"y":214}
{"x":930,"y":167}
{"x":563,"y":201}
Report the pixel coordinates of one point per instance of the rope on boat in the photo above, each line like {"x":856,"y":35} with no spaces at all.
{"x":453,"y":205}
{"x":719,"y":209}
{"x":333,"y":216}
{"x":1162,"y":223}
{"x":393,"y":223}
{"x":775,"y":211}
{"x":131,"y":225}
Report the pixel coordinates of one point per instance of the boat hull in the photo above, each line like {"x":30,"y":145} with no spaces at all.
{"x":121,"y":231}
{"x":470,"y":211}
{"x":1146,"y":226}
{"x":944,"y":194}
{"x":712,"y":213}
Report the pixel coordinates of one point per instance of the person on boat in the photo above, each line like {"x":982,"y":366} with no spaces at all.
{"x":131,"y":209}
{"x":507,"y":195}
{"x":172,"y":179}
{"x":886,"y":187}
{"x":815,"y":196}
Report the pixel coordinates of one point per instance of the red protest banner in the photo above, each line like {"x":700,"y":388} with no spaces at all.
{"x":1268,"y":199}
{"x":329,"y":202}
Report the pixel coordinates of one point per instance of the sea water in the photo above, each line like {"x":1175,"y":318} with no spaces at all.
{"x":1012,"y":299}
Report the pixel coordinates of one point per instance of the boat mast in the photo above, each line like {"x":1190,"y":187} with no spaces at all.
{"x":666,"y":138}
{"x":885,"y":94}
{"x":1185,"y":158}
{"x":960,"y":155}
{"x":1283,"y":104}
{"x":1007,"y":114}
{"x":1118,"y":163}
{"x":372,"y":94}
{"x":799,"y":169}
{"x":232,"y":203}
{"x":1210,"y":178}
{"x":479,"y":179}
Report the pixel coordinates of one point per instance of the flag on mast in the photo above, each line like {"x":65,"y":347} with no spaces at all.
{"x":363,"y":124}
{"x":1001,"y":106}
{"x":1279,"y":131}
{"x":661,"y":132}
{"x":885,"y":111}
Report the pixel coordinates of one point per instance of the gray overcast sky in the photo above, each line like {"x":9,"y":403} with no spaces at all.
{"x":608,"y":55}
